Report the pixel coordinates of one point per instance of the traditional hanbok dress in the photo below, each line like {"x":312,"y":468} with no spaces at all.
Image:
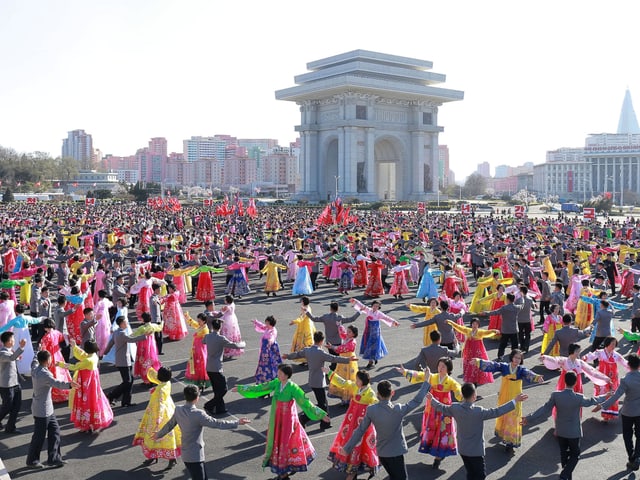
{"x":399,"y":285}
{"x":451,"y":284}
{"x":608,"y":365}
{"x":231,"y":330}
{"x":427,"y":287}
{"x":508,"y":427}
{"x":159,"y":411}
{"x":75,"y":319}
{"x":347,"y":371}
{"x":303,"y":335}
{"x":90,"y":409}
{"x":7,"y":311}
{"x":302,"y":284}
{"x":346,"y":277}
{"x":360,"y":278}
{"x":131,"y":347}
{"x":238,"y":285}
{"x":272,"y":282}
{"x":373,"y":347}
{"x":269,"y":357}
{"x":196,"y":371}
{"x":174,"y":325}
{"x":429,"y":313}
{"x":374,"y":285}
{"x":458,"y":307}
{"x":495,"y":321}
{"x":20,"y":326}
{"x":205,"y":290}
{"x":147,"y":351}
{"x":363,"y":459}
{"x":288,"y":448}
{"x":102,"y":327}
{"x":180,"y":277}
{"x":143,"y":290}
{"x":551,"y":324}
{"x":584,"y":310}
{"x":473,"y":348}
{"x":438,"y":434}
{"x":51,"y":343}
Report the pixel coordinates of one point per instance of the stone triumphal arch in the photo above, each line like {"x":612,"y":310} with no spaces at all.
{"x":369,"y":126}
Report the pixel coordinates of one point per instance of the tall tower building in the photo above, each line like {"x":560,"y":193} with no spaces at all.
{"x":628,"y":122}
{"x":79,"y":146}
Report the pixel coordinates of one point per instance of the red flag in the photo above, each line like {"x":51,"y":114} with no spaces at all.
{"x":89,"y":201}
{"x":325,"y":217}
{"x":252,"y":211}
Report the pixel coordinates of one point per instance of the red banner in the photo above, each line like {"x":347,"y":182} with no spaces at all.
{"x":589,"y":213}
{"x":32,"y":200}
{"x":465,"y":209}
{"x":520,"y":211}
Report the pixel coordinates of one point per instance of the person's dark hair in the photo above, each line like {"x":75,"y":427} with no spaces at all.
{"x":121,"y":320}
{"x":333,"y":306}
{"x":468,"y":390}
{"x":444,"y":305}
{"x":633,"y":360}
{"x":435,"y":336}
{"x":91,"y":347}
{"x":286,"y":369}
{"x":271,"y":320}
{"x":446,"y":361}
{"x":191,"y":393}
{"x":510,"y":296}
{"x":515,"y":352}
{"x":228,"y":299}
{"x":19,"y":309}
{"x":43,"y":357}
{"x":155,"y":286}
{"x":318,"y":337}
{"x":6,"y":336}
{"x":364,"y":377}
{"x":87,"y":310}
{"x":146,"y":317}
{"x":305,"y":300}
{"x":475,"y":320}
{"x":570,"y":378}
{"x":354,"y":330}
{"x":164,"y":374}
{"x":48,"y":323}
{"x":574,"y":347}
{"x":102,"y":293}
{"x":608,"y":341}
{"x":567,"y":318}
{"x":216,"y":323}
{"x":384,"y":389}
{"x":207,"y":303}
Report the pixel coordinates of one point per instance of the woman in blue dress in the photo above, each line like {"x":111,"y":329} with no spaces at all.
{"x":372,"y":347}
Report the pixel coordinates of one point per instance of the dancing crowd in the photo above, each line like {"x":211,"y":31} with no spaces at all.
{"x":106,"y":285}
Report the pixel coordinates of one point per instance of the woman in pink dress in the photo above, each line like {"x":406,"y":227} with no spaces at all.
{"x":147,"y":350}
{"x":399,"y":286}
{"x":474,"y":348}
{"x":51,"y":343}
{"x":90,"y":408}
{"x":230,"y":327}
{"x":175,"y":326}
{"x":196,"y":371}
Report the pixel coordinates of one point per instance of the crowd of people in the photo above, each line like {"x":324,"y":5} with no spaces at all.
{"x":87,"y":274}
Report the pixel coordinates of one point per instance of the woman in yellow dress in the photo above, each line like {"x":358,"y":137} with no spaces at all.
{"x":508,"y":427}
{"x":158,"y":412}
{"x":347,"y":371}
{"x":552,"y":323}
{"x":303,"y":336}
{"x":430,"y":310}
{"x":272,"y":282}
{"x":584,"y":310}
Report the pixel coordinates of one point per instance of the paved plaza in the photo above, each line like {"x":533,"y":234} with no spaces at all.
{"x":236,"y":454}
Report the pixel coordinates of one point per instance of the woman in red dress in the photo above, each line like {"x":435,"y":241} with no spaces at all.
{"x":90,"y":408}
{"x":374,"y":285}
{"x":495,"y":321}
{"x":474,"y":348}
{"x":175,"y":326}
{"x":51,"y":343}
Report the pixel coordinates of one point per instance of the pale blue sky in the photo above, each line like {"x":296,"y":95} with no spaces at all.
{"x":536,"y":75}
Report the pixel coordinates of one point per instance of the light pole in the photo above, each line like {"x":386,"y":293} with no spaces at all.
{"x":438,"y":197}
{"x":460,"y":192}
{"x":337,"y":177}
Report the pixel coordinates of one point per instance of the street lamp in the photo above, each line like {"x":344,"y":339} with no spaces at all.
{"x":337,"y":177}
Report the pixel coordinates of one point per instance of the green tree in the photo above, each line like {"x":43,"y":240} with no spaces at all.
{"x":67,"y":168}
{"x":102,"y":194}
{"x":8,"y":196}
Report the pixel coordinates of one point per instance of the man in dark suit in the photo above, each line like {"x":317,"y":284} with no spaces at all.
{"x":440,"y":320}
{"x":565,"y":336}
{"x":568,"y":422}
{"x":470,"y":427}
{"x":509,"y":327}
{"x":630,"y":411}
{"x":216,"y":344}
{"x":429,"y":355}
{"x":601,"y":324}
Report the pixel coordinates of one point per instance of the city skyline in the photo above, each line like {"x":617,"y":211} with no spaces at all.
{"x":535,"y":76}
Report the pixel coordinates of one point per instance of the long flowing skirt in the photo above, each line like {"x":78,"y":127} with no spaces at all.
{"x":268,"y":362}
{"x":427,"y":287}
{"x":372,"y":346}
{"x":438,"y":436}
{"x":474,"y":348}
{"x":360,"y":278}
{"x":155,"y":416}
{"x":292,"y":450}
{"x":548,"y":336}
{"x":146,"y":356}
{"x":374,"y":287}
{"x":584,"y":315}
{"x":205,"y":290}
{"x":302,"y":284}
{"x":237,"y":285}
{"x":175,"y":326}
{"x":89,"y":405}
{"x":346,"y":280}
{"x":610,"y":369}
{"x":196,"y":371}
{"x":303,"y":336}
{"x":231,"y":329}
{"x":24,"y":361}
{"x":364,"y":457}
{"x":399,"y":285}
{"x":508,"y":427}
{"x":348,"y":372}
{"x":142,"y":305}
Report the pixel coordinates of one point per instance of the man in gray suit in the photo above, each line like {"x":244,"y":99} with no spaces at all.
{"x":565,"y":336}
{"x":387,"y":419}
{"x":191,"y":421}
{"x":120,"y":339}
{"x":429,"y":356}
{"x":10,"y":390}
{"x":601,"y":324}
{"x":630,"y":411}
{"x":316,"y":358}
{"x":45,"y":422}
{"x":216,"y":344}
{"x":470,"y":427}
{"x":509,"y":327}
{"x":332,"y":322}
{"x":568,"y":422}
{"x":440,"y":320}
